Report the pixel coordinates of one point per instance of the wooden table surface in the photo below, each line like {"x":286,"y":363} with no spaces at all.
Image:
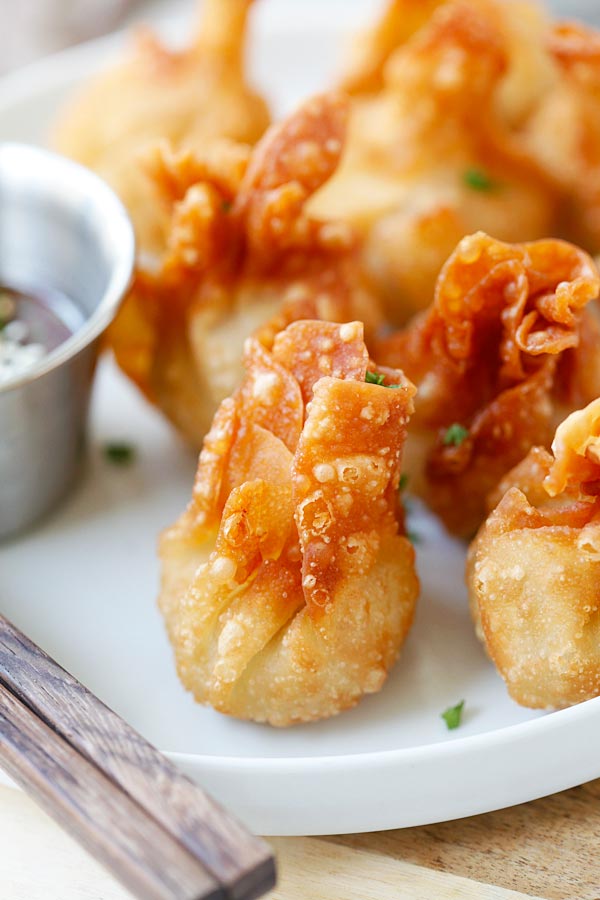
{"x":547,"y":849}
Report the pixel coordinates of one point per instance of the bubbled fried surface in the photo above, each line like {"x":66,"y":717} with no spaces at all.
{"x":534,"y":568}
{"x":243,"y":256}
{"x":440,"y":91}
{"x":500,"y":353}
{"x":288,"y":586}
{"x":189,"y":97}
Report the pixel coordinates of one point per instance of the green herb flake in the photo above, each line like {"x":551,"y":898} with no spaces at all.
{"x":413,"y":537}
{"x":378,"y":378}
{"x":226,"y":205}
{"x":453,"y":715}
{"x":119,"y":453}
{"x":455,"y":435}
{"x":403,"y":483}
{"x":479,"y":180}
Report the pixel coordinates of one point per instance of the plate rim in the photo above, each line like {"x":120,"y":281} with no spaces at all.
{"x":453,"y":745}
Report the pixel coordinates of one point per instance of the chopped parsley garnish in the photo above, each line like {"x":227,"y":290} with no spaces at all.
{"x":119,"y":453}
{"x":413,"y":537}
{"x":479,"y":180}
{"x":378,"y":378}
{"x":453,"y":715}
{"x":226,"y":205}
{"x":402,"y":484}
{"x":455,"y":435}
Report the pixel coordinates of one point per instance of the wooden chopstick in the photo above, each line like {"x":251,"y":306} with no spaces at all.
{"x":241,"y":863}
{"x":146,"y":859}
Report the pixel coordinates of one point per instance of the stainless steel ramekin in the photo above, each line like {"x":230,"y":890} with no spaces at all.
{"x":63,"y":229}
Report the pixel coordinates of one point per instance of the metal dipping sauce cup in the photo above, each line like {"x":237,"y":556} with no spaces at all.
{"x":62,"y":229}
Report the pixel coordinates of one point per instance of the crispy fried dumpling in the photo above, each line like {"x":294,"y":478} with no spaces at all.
{"x":534,"y":570}
{"x":288,"y":586}
{"x":432,"y":151}
{"x":242,"y":255}
{"x":189,"y":97}
{"x":508,"y":347}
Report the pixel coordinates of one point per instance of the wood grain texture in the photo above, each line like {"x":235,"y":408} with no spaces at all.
{"x":546,"y":847}
{"x":105,"y":821}
{"x":242,"y":863}
{"x":315,"y":869}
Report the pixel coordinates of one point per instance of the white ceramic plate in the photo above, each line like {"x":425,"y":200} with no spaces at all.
{"x":84,"y":583}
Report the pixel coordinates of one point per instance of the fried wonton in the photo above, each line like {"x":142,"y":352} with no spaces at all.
{"x":288,"y":586}
{"x":433,"y":153}
{"x":189,"y":97}
{"x":534,"y":570}
{"x":242,"y":255}
{"x":508,"y":347}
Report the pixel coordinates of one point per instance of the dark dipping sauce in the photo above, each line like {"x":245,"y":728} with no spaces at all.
{"x":33,"y":324}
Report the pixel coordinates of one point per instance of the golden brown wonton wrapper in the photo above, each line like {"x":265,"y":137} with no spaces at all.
{"x":190,"y":98}
{"x":439,"y":93}
{"x":534,"y":570}
{"x":505,"y":351}
{"x":242,"y":255}
{"x":288,"y":586}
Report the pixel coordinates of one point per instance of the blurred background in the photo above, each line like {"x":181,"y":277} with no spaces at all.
{"x":35,"y":28}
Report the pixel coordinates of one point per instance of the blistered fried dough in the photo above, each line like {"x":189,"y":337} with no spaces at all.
{"x":242,"y":255}
{"x":564,"y":133}
{"x":534,"y":571}
{"x":432,"y":154}
{"x":189,"y":97}
{"x":506,"y":350}
{"x":288,"y":586}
